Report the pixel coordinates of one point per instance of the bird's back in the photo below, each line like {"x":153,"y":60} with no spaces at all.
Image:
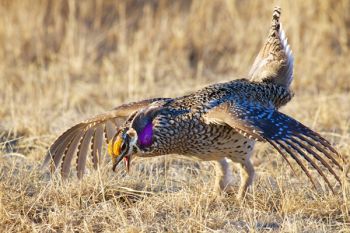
{"x":181,"y":127}
{"x":264,"y":93}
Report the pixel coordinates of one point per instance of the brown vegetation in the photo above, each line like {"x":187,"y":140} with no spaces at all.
{"x":62,"y":61}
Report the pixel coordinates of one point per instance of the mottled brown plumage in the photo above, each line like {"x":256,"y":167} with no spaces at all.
{"x":220,"y":122}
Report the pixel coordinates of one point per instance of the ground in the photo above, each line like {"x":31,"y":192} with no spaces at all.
{"x":63,"y":61}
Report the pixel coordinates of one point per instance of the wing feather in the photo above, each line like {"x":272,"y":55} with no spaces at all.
{"x":322,"y":149}
{"x":317,"y":156}
{"x":110,"y":129}
{"x":63,"y":148}
{"x":97,"y":146}
{"x":70,"y":153}
{"x":283,"y":155}
{"x":83,"y":152}
{"x":76,"y":140}
{"x":284,"y":133}
{"x":313,"y":164}
{"x":300,"y":163}
{"x":57,"y":148}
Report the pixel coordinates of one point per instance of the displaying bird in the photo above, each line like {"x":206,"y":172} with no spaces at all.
{"x":220,"y":122}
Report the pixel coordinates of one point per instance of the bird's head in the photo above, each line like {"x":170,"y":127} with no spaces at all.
{"x":122,"y":146}
{"x":128,"y":141}
{"x":134,"y":139}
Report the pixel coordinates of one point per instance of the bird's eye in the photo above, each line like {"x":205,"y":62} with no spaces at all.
{"x":123,"y":147}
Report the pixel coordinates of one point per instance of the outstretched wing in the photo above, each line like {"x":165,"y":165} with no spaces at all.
{"x":94,"y":132}
{"x":286,"y":135}
{"x":275,"y":59}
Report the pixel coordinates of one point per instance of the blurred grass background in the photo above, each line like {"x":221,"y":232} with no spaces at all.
{"x":63,"y":61}
{"x":64,"y":55}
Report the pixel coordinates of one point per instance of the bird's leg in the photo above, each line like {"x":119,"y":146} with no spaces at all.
{"x":224,"y":178}
{"x":247,"y":176}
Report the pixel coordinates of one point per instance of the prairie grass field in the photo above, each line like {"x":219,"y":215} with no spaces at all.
{"x":64,"y":61}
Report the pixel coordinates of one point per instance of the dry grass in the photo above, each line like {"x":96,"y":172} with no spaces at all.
{"x":62,"y":61}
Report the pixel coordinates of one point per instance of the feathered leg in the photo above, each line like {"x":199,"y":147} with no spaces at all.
{"x":247,"y":176}
{"x":224,"y":177}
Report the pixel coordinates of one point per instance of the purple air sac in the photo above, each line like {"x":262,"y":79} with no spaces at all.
{"x":145,"y":136}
